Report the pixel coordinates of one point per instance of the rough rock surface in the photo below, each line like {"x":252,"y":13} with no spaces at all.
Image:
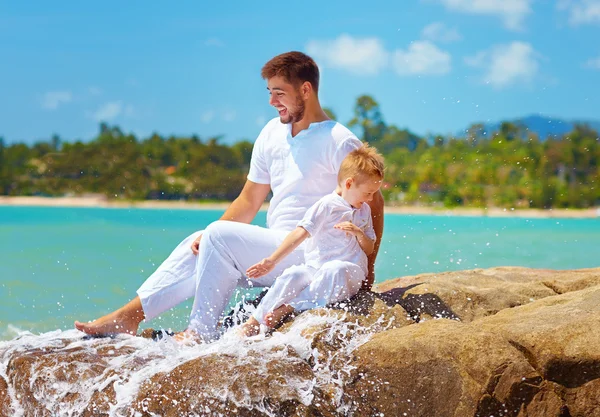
{"x":490,"y":342}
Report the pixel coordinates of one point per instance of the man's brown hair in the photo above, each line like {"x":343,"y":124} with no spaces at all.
{"x":362,"y":164}
{"x":295,"y":67}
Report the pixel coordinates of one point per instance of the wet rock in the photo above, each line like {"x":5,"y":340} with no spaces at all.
{"x":508,"y":341}
{"x":230,"y":385}
{"x":4,"y":398}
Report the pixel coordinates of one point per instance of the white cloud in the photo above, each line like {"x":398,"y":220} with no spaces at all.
{"x":593,"y":63}
{"x":422,"y":57}
{"x":207,"y":116}
{"x":132,"y":82}
{"x":365,"y":56}
{"x":53,"y":99}
{"x":261,"y":121}
{"x":505,"y":65}
{"x":512,"y":12}
{"x":108,"y":111}
{"x":581,"y":11}
{"x":94,"y":91}
{"x":229,"y":116}
{"x":439,"y":32}
{"x":214,"y":42}
{"x":129,"y":111}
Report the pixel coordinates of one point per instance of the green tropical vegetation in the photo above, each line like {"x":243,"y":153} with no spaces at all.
{"x":510,"y":167}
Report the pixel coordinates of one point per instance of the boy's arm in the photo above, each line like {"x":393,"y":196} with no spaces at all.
{"x":376,"y":206}
{"x":366,"y":244}
{"x":291,"y":242}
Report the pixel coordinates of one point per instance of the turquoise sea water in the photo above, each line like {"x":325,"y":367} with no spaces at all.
{"x":62,"y":264}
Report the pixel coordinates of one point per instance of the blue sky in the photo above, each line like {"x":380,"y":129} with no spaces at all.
{"x":191,"y":67}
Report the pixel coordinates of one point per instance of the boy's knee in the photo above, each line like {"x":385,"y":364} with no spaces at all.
{"x":335,"y":267}
{"x":294,"y":272}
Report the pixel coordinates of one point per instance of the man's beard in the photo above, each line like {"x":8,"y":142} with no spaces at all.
{"x":296,"y":115}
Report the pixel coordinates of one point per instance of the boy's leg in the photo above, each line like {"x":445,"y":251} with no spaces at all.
{"x":334,"y":281}
{"x":291,"y":283}
{"x":226,"y":251}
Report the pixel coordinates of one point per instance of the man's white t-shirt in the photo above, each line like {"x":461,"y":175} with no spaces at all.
{"x":300,"y":169}
{"x":328,"y":244}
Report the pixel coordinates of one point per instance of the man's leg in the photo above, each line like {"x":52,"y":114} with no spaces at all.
{"x":172,"y":283}
{"x":226,"y":251}
{"x":334,"y":281}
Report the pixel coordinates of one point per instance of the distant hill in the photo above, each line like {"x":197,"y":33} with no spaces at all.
{"x":543,"y":126}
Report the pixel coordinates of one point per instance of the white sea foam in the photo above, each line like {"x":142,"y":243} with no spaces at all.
{"x":128,"y":362}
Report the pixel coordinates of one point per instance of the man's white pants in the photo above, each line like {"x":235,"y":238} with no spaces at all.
{"x":226,"y":251}
{"x":304,"y":287}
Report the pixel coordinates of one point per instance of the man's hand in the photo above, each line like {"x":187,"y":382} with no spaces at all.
{"x":349,"y":228}
{"x":262,"y":268}
{"x":196,"y":244}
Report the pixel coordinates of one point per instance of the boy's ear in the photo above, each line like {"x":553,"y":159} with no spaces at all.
{"x":349,"y":182}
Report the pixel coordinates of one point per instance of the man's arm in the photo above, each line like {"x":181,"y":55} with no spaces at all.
{"x":244,"y":207}
{"x":376,"y":206}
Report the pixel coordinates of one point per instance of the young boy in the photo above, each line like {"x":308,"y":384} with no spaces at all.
{"x":342,"y":235}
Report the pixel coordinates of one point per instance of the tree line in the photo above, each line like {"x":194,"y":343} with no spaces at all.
{"x":510,"y":167}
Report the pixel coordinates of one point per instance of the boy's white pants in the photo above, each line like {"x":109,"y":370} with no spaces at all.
{"x":304,"y":287}
{"x":227,"y":250}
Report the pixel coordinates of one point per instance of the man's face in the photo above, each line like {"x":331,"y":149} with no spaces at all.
{"x":286,"y":99}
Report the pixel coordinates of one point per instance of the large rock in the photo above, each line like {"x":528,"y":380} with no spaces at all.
{"x":495,"y":342}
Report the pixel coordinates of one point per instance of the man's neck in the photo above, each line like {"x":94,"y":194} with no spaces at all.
{"x":315,"y":116}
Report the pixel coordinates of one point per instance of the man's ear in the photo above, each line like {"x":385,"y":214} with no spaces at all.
{"x":305,"y":89}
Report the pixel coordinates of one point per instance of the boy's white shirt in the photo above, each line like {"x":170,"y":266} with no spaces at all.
{"x":300,"y":169}
{"x":328,"y":244}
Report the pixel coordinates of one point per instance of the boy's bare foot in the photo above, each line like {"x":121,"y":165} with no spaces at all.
{"x":276,"y":316}
{"x":250,"y":328}
{"x":124,"y":320}
{"x":187,"y":337}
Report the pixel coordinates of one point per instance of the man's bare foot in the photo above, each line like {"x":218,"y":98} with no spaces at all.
{"x":124,"y":320}
{"x":276,"y":316}
{"x":250,"y":328}
{"x":187,"y":337}
{"x":109,"y":324}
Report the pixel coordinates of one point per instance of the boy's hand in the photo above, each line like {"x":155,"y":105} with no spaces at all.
{"x":262,"y":268}
{"x":349,"y":228}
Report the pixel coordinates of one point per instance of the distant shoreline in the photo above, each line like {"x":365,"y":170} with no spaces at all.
{"x":102,"y":202}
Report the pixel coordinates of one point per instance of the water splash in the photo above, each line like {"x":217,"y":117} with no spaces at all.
{"x":69,"y":374}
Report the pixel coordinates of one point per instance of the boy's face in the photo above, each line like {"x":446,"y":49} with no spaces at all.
{"x":286,"y":99}
{"x":359,"y":191}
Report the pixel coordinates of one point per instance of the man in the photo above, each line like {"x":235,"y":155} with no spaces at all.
{"x":296,"y":156}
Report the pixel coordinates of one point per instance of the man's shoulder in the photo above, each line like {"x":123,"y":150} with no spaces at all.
{"x":339,"y":132}
{"x":273,"y":124}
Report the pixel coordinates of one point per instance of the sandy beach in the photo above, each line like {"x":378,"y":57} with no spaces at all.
{"x":103,"y":202}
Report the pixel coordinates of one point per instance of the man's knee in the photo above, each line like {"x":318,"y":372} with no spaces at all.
{"x":216,"y":230}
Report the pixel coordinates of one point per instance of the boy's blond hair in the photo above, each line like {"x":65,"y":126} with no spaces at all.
{"x":362,"y":164}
